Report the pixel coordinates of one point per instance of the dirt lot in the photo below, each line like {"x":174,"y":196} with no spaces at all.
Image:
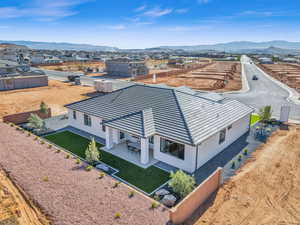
{"x":219,"y":77}
{"x":55,"y":96}
{"x":14,"y":208}
{"x":266,"y":191}
{"x":286,"y":73}
{"x":74,"y":66}
{"x":65,"y":191}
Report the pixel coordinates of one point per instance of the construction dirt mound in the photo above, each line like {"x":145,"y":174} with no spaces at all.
{"x":266,"y":191}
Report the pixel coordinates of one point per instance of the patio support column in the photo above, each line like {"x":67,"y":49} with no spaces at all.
{"x":109,"y":138}
{"x":144,"y":150}
{"x":116,"y":136}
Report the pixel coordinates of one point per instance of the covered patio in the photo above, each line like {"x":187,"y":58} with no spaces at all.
{"x":131,"y":137}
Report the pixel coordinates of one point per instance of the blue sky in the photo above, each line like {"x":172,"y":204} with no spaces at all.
{"x":148,"y":23}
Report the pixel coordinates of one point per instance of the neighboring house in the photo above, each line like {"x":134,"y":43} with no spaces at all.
{"x":176,"y":126}
{"x":126,"y":67}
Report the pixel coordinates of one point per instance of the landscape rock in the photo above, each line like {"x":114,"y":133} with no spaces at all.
{"x":169,"y":200}
{"x":162,"y":192}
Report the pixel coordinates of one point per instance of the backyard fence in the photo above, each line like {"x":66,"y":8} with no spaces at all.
{"x":20,"y":118}
{"x":196,"y":198}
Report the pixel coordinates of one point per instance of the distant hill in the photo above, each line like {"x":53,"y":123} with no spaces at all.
{"x":238,"y":45}
{"x":271,"y":51}
{"x":12,"y":46}
{"x":61,"y":46}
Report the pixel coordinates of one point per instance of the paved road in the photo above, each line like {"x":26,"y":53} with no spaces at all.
{"x":264,"y":92}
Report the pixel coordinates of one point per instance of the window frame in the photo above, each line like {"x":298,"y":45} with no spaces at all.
{"x":166,"y":149}
{"x":74,"y":115}
{"x":87,"y":120}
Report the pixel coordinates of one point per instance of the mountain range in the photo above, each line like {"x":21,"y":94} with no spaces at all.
{"x":271,"y":47}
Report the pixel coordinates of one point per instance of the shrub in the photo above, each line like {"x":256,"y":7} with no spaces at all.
{"x":246,"y":151}
{"x":240,"y":158}
{"x":154,"y":205}
{"x":232,"y":164}
{"x":117,"y":215}
{"x":46,"y":179}
{"x":42,"y":142}
{"x":50,"y":146}
{"x":58,"y":151}
{"x":88,"y":168}
{"x":131,"y":194}
{"x":116,"y":184}
{"x":18,"y":128}
{"x":36,"y":138}
{"x":28,"y":134}
{"x":181,"y":183}
{"x":78,"y":161}
{"x":101,"y":175}
{"x":12,"y":125}
{"x":156,"y":197}
{"x":91,"y":153}
{"x":265,"y":113}
{"x":35,"y":121}
{"x":43,"y":108}
{"x":67,"y":156}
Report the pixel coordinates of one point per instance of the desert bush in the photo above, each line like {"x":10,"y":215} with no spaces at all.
{"x":88,"y":168}
{"x":240,"y":158}
{"x":131,"y":194}
{"x":36,"y":138}
{"x":43,"y":108}
{"x":12,"y":125}
{"x":58,"y":151}
{"x":245,"y":151}
{"x":46,"y":179}
{"x":182,"y":183}
{"x":28,"y":134}
{"x":67,"y":156}
{"x":101,"y":175}
{"x":116,"y":184}
{"x":154,"y":205}
{"x":78,"y":161}
{"x":117,"y":215}
{"x":50,"y":146}
{"x":42,"y":142}
{"x":233,"y":164}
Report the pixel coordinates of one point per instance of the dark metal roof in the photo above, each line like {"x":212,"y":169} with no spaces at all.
{"x":169,"y":112}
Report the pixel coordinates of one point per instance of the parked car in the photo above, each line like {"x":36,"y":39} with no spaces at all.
{"x":72,"y":78}
{"x":254,"y":77}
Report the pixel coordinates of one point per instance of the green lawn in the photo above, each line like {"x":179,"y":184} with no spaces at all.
{"x":145,"y":179}
{"x":254,"y":119}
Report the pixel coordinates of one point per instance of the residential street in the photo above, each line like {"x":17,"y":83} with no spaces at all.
{"x":264,"y":92}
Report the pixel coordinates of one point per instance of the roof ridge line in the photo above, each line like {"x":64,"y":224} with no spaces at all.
{"x":183,"y":117}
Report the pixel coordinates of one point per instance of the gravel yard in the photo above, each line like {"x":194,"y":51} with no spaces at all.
{"x":65,"y":192}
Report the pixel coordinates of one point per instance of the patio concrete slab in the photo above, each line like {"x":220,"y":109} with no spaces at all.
{"x":122,"y":152}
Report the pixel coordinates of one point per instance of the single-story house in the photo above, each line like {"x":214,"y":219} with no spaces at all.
{"x":177,"y":126}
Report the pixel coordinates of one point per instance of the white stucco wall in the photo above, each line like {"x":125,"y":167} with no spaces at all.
{"x":211,"y":147}
{"x":188,"y":164}
{"x":95,"y":129}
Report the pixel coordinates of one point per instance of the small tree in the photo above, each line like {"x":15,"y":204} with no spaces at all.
{"x":92,"y":154}
{"x":265,"y":113}
{"x":43,"y":108}
{"x":35,"y":121}
{"x":182,"y":183}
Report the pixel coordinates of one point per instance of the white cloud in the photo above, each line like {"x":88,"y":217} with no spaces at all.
{"x":157,"y":12}
{"x":141,"y":8}
{"x":203,"y":1}
{"x":181,"y":11}
{"x":43,"y":10}
{"x":117,"y":27}
{"x":256,"y":13}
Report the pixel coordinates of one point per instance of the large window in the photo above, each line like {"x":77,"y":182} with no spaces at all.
{"x":172,"y":148}
{"x":87,"y":120}
{"x":222,"y":136}
{"x":151,"y":140}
